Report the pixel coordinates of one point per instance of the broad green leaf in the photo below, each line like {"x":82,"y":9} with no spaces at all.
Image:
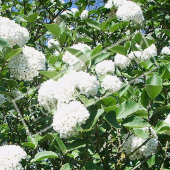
{"x":2,"y":43}
{"x":123,"y":90}
{"x":144,"y":98}
{"x":80,"y":143}
{"x":66,"y":167}
{"x":44,"y":155}
{"x":165,"y":71}
{"x":92,"y":24}
{"x":32,"y":17}
{"x":28,"y":144}
{"x":151,"y":161}
{"x":91,"y":166}
{"x":60,"y":144}
{"x":51,"y":74}
{"x":135,"y":122}
{"x":111,"y":119}
{"x":114,"y":27}
{"x":127,"y":108}
{"x":11,"y":83}
{"x":8,"y":52}
{"x":144,"y":134}
{"x":100,"y":57}
{"x":166,"y":31}
{"x":85,"y":100}
{"x":96,"y":50}
{"x":54,"y":29}
{"x":161,"y":126}
{"x":153,"y":86}
{"x":104,"y":25}
{"x":62,"y":26}
{"x":118,"y":49}
{"x":107,"y":101}
{"x":99,"y":113}
{"x":32,"y":142}
{"x":84,"y":39}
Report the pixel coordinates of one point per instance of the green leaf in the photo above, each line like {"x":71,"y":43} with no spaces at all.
{"x":66,"y":167}
{"x":32,"y":17}
{"x":153,"y":86}
{"x":127,"y":108}
{"x":96,"y":50}
{"x":152,"y":161}
{"x":161,"y":126}
{"x":166,"y":31}
{"x":91,"y":166}
{"x":85,"y":100}
{"x":92,"y":24}
{"x":144,"y":98}
{"x":144,"y":134}
{"x":11,"y":83}
{"x":99,"y":113}
{"x":44,"y":155}
{"x":118,"y":49}
{"x":54,"y":29}
{"x":2,"y":43}
{"x":8,"y":52}
{"x":80,"y":143}
{"x":165,"y":71}
{"x":51,"y":74}
{"x":84,"y":39}
{"x":104,"y":25}
{"x":62,"y":26}
{"x":114,"y":27}
{"x":135,"y":122}
{"x":60,"y":144}
{"x":100,"y":57}
{"x":111,"y":119}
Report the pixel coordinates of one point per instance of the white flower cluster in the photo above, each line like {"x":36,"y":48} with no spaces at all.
{"x":122,"y":61}
{"x":149,"y":53}
{"x":167,"y":120}
{"x":10,"y":157}
{"x":135,"y":55}
{"x":64,"y":90}
{"x":84,"y":14}
{"x":105,"y":67}
{"x":132,"y":142}
{"x":82,"y":47}
{"x":116,"y":3}
{"x":166,"y":50}
{"x":72,"y":60}
{"x":13,"y":33}
{"x":130,"y":11}
{"x":51,"y":43}
{"x":111,"y":83}
{"x":25,"y":66}
{"x":67,"y":116}
{"x":2,"y":99}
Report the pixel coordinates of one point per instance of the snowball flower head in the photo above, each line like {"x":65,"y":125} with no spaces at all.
{"x":132,"y":142}
{"x":111,"y":83}
{"x":167,"y":120}
{"x":10,"y":157}
{"x":122,"y":61}
{"x":46,"y":94}
{"x":25,"y":66}
{"x":105,"y":67}
{"x":84,"y":14}
{"x":74,"y":10}
{"x":51,"y":43}
{"x":149,"y":53}
{"x":165,"y":50}
{"x":67,"y":13}
{"x":134,"y":54}
{"x":13,"y":33}
{"x":130,"y":11}
{"x":67,"y":116}
{"x":82,"y":47}
{"x":2,"y":99}
{"x":72,"y":60}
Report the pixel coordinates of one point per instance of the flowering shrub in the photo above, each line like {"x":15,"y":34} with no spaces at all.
{"x":84,"y":84}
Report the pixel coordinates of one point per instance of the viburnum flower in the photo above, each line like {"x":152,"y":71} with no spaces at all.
{"x":105,"y":67}
{"x":149,"y":53}
{"x":25,"y":66}
{"x":167,"y":120}
{"x":2,"y":99}
{"x":13,"y":33}
{"x":166,"y":50}
{"x":132,"y":142}
{"x":67,"y":13}
{"x":135,"y":55}
{"x":111,"y":83}
{"x":122,"y":61}
{"x":84,"y":14}
{"x":130,"y":11}
{"x":10,"y":157}
{"x":72,"y":60}
{"x":67,"y":117}
{"x":74,"y":10}
{"x":52,"y":43}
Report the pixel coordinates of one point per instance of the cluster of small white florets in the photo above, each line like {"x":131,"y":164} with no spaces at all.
{"x":105,"y":67}
{"x":25,"y":66}
{"x":166,"y":50}
{"x":116,"y":3}
{"x":64,"y":90}
{"x":111,"y":83}
{"x":2,"y":99}
{"x":167,"y":120}
{"x":72,"y":60}
{"x":10,"y":157}
{"x":132,"y":142}
{"x":122,"y":61}
{"x":13,"y":33}
{"x":84,"y":14}
{"x":149,"y":53}
{"x":135,"y":55}
{"x":68,"y":116}
{"x":82,"y":47}
{"x":51,"y":43}
{"x":130,"y":11}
